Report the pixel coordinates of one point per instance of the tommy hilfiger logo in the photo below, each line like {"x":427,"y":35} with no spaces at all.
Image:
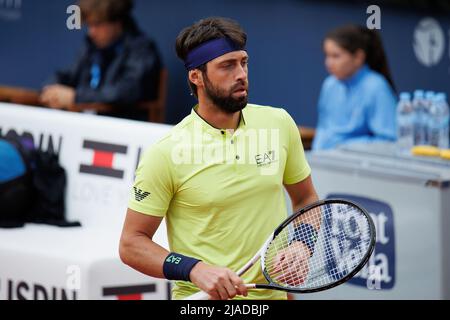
{"x":103,"y":159}
{"x":266,"y":158}
{"x":129,"y":292}
{"x":139,"y":194}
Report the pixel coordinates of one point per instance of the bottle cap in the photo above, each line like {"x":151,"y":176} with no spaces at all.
{"x":418,"y":94}
{"x":405,"y":96}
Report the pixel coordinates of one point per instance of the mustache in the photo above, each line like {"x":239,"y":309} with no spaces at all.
{"x":239,"y":86}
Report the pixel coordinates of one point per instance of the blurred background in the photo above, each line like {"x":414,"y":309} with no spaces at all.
{"x":284,"y":43}
{"x":407,"y":193}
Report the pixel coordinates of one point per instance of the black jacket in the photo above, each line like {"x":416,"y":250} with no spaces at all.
{"x":130,"y":71}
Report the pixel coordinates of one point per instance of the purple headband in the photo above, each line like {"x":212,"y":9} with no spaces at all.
{"x":208,"y":51}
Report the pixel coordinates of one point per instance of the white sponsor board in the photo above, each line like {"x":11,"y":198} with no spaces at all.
{"x":100,"y":155}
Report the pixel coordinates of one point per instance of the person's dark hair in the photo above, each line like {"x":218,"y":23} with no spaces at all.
{"x":205,"y":30}
{"x":353,"y":37}
{"x":106,"y":10}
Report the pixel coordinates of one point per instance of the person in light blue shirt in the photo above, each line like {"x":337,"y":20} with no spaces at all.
{"x":357,"y":101}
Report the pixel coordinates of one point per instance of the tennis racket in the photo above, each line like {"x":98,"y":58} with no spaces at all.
{"x":340,"y":236}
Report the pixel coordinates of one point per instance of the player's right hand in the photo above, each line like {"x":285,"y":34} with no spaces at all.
{"x":291,"y":265}
{"x":220,"y":283}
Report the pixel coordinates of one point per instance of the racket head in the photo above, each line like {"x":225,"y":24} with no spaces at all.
{"x":341,"y":221}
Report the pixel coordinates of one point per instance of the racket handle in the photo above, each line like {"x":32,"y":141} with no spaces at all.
{"x":202,"y":295}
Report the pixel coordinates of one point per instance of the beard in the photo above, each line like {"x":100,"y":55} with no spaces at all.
{"x":224,"y":100}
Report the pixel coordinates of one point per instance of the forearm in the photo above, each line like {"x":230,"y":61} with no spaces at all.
{"x":112,"y":94}
{"x":308,"y":224}
{"x":376,"y":137}
{"x":309,"y":217}
{"x":313,"y":197}
{"x":144,"y":255}
{"x":302,"y":194}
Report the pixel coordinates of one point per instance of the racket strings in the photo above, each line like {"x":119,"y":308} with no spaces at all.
{"x":342,"y":239}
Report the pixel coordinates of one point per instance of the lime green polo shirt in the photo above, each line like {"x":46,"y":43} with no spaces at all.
{"x":221,"y":191}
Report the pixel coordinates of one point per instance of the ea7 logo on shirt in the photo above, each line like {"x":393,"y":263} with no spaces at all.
{"x":139,"y":194}
{"x":266,"y":158}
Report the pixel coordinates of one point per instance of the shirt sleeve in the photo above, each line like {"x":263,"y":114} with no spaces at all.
{"x":297,"y":168}
{"x":140,"y":65}
{"x":153,"y":187}
{"x":69,"y":76}
{"x":382,"y":114}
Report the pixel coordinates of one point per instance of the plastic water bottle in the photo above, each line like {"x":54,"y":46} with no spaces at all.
{"x":434,"y":123}
{"x":439,"y":122}
{"x":419,"y":110}
{"x":405,"y":123}
{"x":428,"y":102}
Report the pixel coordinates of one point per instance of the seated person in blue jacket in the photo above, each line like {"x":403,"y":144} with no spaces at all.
{"x":357,"y":101}
{"x":118,"y":64}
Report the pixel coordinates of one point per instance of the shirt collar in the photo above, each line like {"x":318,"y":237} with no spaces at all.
{"x":356,"y":77}
{"x":210,"y":128}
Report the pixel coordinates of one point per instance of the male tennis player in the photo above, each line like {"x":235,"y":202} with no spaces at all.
{"x":217,"y":177}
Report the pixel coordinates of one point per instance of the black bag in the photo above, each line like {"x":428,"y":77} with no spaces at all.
{"x":49,"y":184}
{"x":37,"y":195}
{"x":16,"y":196}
